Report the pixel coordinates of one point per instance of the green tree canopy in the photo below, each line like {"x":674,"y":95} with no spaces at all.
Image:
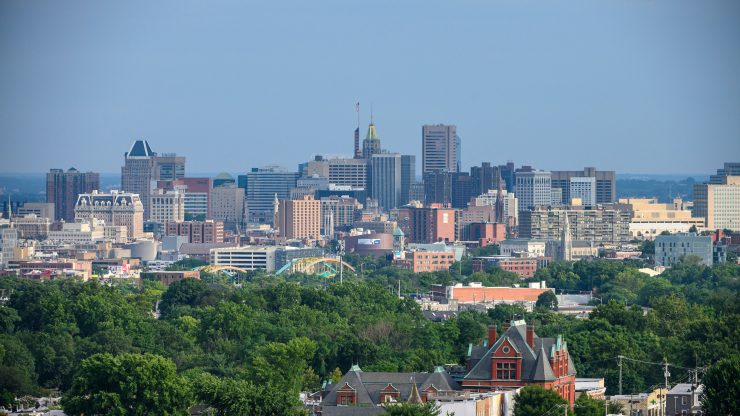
{"x":721,"y":387}
{"x":547,"y":300}
{"x":537,"y":401}
{"x":127,"y":384}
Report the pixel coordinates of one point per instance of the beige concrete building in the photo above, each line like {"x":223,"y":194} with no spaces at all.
{"x":342,"y":210}
{"x":511,"y":204}
{"x":644,"y":404}
{"x":606,"y":224}
{"x":39,"y":209}
{"x":650,"y":218}
{"x":719,"y":204}
{"x":166,"y":206}
{"x":227,"y":205}
{"x":299,"y":218}
{"x":32,"y":226}
{"x":115,"y":208}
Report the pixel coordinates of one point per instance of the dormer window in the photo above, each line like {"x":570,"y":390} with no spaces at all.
{"x":506,"y":370}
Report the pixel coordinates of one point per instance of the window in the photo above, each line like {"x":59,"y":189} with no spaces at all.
{"x":684,"y":400}
{"x":506,"y":371}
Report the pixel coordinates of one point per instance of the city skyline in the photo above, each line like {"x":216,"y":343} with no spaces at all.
{"x":649,"y":90}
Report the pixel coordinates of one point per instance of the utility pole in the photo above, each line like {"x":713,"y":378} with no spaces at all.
{"x":666,"y":374}
{"x":619,"y":364}
{"x":341,"y":264}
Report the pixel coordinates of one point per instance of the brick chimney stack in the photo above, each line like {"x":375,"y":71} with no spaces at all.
{"x":507,"y":323}
{"x":492,"y":335}
{"x":530,"y":335}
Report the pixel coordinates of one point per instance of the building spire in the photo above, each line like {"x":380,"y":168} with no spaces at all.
{"x":358,"y":150}
{"x":566,"y":240}
{"x":500,"y":201}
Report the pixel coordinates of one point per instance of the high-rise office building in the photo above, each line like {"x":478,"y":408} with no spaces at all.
{"x":299,"y":218}
{"x":606,"y":183}
{"x":729,"y":169}
{"x":342,"y":210}
{"x":583,"y":188}
{"x":262,"y":185}
{"x":385,"y":183}
{"x":115,"y":208}
{"x":532,"y":187}
{"x":348,"y":172}
{"x":227,"y":205}
{"x":63,"y":188}
{"x":719,"y":204}
{"x":484,"y":178}
{"x":197,"y":193}
{"x":139,"y":172}
{"x":408,"y":176}
{"x":507,"y":174}
{"x":440,"y":148}
{"x":448,"y":188}
{"x":167,"y":206}
{"x":371,"y":144}
{"x":170,"y":166}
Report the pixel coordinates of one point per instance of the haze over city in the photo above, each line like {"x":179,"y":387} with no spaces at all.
{"x":386,"y":208}
{"x":633,"y":86}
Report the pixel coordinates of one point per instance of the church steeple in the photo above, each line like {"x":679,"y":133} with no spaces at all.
{"x":566,"y":240}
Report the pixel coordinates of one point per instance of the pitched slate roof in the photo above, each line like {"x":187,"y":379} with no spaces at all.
{"x":542,"y":369}
{"x":535,"y":363}
{"x":369,"y":385}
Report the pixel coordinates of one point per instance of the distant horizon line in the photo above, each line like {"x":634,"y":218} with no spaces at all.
{"x":214,"y":173}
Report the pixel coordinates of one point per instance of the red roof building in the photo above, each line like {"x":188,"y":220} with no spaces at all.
{"x":520,"y":358}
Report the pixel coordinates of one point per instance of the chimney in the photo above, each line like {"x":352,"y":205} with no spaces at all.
{"x":507,"y":323}
{"x":530,"y":335}
{"x":492,"y":335}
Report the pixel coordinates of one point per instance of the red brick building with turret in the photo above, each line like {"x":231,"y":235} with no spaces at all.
{"x":520,"y":358}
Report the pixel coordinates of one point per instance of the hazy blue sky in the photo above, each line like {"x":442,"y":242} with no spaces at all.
{"x":632,"y":85}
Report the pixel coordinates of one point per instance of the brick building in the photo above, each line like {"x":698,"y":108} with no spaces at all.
{"x":524,"y":267}
{"x":432,"y":224}
{"x":299,"y":218}
{"x":63,"y":188}
{"x":197,"y":231}
{"x":426,"y":261}
{"x":520,"y":358}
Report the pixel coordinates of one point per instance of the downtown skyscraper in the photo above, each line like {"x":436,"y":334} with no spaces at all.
{"x":139,"y":172}
{"x":63,"y":188}
{"x":440,"y":148}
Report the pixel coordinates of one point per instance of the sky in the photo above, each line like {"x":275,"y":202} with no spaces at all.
{"x":636,"y":86}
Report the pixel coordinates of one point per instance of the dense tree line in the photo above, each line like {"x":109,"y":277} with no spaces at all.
{"x":254,"y":346}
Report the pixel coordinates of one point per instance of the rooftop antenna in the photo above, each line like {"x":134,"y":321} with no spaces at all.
{"x":371,"y":114}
